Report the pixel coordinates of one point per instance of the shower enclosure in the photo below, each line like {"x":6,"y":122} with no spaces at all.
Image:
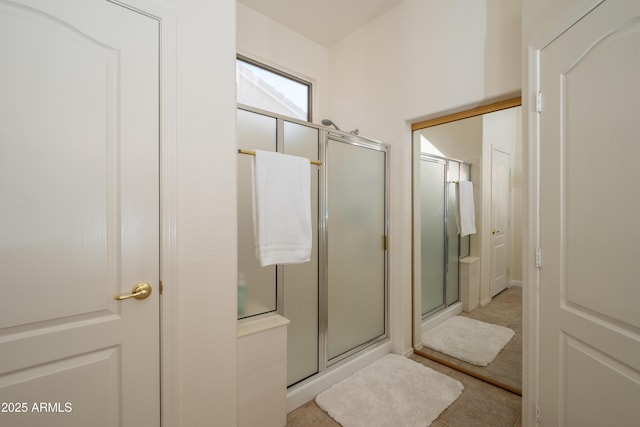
{"x":337,"y":302}
{"x":440,"y":245}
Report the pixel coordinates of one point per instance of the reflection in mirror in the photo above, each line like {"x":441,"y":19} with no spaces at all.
{"x":476,"y":277}
{"x":440,"y":242}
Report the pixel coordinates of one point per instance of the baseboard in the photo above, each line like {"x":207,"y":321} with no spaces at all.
{"x":485,"y":302}
{"x":433,"y":321}
{"x":408,"y":352}
{"x":516,"y":283}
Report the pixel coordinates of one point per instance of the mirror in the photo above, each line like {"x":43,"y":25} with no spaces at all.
{"x":462,"y":272}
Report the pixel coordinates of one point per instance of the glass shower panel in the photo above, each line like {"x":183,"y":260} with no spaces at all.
{"x":356,"y":253}
{"x":256,"y":285}
{"x":453,"y":242}
{"x":300,"y":281}
{"x":432,"y":209}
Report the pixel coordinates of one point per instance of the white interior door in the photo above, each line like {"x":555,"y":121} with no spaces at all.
{"x":79,"y":221}
{"x":589,"y":202}
{"x":500,"y":201}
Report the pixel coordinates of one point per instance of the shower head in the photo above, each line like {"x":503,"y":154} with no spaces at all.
{"x":328,"y":122}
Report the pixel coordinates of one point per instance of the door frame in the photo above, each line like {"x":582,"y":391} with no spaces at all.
{"x":168,"y":169}
{"x":532,"y":48}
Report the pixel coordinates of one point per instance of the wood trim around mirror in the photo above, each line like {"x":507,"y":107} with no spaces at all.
{"x":477,"y":111}
{"x":490,"y":108}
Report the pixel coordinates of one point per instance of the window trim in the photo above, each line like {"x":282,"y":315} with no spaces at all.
{"x":308,"y":84}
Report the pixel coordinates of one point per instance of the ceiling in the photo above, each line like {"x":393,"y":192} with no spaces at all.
{"x":323,"y":21}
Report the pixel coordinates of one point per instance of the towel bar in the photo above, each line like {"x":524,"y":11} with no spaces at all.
{"x":253,"y":153}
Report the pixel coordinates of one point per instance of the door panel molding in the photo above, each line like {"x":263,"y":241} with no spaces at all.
{"x":99,"y":319}
{"x":587,"y":330}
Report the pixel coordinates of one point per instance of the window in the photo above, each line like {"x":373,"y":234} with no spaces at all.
{"x":266,"y":88}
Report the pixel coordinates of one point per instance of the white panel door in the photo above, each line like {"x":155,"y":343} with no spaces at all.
{"x":500,"y":201}
{"x":589,"y":230}
{"x":79,"y":220}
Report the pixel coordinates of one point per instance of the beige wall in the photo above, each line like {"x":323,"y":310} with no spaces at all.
{"x":460,"y":140}
{"x":269,"y":42}
{"x":422,"y":58}
{"x":201,"y":117}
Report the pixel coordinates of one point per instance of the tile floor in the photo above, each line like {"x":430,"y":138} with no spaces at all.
{"x":480,"y":404}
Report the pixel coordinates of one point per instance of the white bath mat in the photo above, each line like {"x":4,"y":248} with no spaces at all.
{"x":468,"y":339}
{"x":393,"y":391}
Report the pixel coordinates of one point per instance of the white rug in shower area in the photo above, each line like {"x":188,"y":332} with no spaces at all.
{"x":393,"y":391}
{"x":468,"y":339}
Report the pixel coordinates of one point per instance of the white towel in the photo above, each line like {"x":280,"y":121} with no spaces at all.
{"x":467,"y":213}
{"x":281,"y":208}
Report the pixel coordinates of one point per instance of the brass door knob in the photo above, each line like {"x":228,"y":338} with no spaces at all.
{"x":139,"y":291}
{"x":494,"y":231}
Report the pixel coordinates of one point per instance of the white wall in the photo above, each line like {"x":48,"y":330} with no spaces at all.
{"x":199,"y":116}
{"x":421,"y":59}
{"x":516,"y":218}
{"x":424,"y":57}
{"x":460,"y":140}
{"x":269,"y":42}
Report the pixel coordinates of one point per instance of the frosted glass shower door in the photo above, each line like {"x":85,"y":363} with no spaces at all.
{"x":356,"y":227}
{"x":433,"y":174}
